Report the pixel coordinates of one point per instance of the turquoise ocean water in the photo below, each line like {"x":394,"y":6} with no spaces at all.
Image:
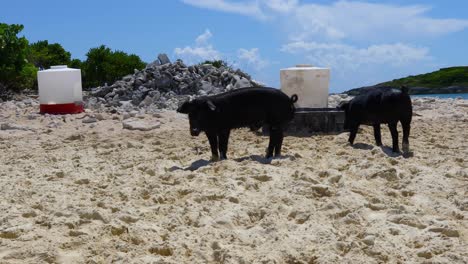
{"x":442,"y":96}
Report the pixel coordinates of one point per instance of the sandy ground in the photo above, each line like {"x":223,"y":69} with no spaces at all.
{"x":95,"y":193}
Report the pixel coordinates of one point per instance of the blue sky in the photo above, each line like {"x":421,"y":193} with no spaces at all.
{"x":363,"y":42}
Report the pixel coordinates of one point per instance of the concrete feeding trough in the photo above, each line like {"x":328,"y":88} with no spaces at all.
{"x":309,"y":121}
{"x":312,"y":112}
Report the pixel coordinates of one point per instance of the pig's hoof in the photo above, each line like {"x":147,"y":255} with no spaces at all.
{"x":214,"y":158}
{"x":406,"y":148}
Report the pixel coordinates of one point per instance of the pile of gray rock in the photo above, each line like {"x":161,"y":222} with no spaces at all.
{"x":334,"y":100}
{"x":5,"y":94}
{"x":163,"y":85}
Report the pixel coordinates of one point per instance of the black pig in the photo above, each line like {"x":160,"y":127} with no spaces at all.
{"x":246,"y":107}
{"x":383,"y":105}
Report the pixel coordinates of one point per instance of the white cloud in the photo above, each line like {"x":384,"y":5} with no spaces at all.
{"x":203,"y":38}
{"x":247,"y":8}
{"x":362,"y":21}
{"x":189,"y":54}
{"x":282,"y":6}
{"x":355,"y":20}
{"x":363,"y":40}
{"x":353,"y":67}
{"x":252,"y":57}
{"x":341,"y":56}
{"x":202,"y":50}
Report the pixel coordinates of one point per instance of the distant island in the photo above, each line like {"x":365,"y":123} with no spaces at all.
{"x":451,"y":80}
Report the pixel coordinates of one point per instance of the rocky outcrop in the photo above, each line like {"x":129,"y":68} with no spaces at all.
{"x":414,"y":90}
{"x":162,"y":85}
{"x":4,"y":93}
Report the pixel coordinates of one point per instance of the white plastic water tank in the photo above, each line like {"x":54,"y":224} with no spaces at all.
{"x":309,"y":83}
{"x":60,"y":90}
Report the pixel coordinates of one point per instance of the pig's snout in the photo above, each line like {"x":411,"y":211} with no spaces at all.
{"x":195,"y":132}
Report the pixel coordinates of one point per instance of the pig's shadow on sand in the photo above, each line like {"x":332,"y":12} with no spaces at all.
{"x":262,"y":159}
{"x":257,"y":158}
{"x":203,"y":163}
{"x":387,"y":150}
{"x":363,"y":146}
{"x":193,"y":167}
{"x":198,"y":164}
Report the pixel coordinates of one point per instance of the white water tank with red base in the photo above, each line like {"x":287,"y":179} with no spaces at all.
{"x":309,"y":83}
{"x":60,"y":90}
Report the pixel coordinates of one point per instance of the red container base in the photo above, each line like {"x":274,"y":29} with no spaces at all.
{"x":61,"y":109}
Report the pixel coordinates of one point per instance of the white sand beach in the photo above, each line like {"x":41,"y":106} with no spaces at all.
{"x":74,"y":192}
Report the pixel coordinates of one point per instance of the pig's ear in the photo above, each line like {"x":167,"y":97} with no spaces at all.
{"x":404,"y":89}
{"x":184,"y":108}
{"x":343,"y":106}
{"x":211,"y":105}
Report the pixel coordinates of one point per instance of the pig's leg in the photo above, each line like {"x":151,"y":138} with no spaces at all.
{"x":406,"y":131}
{"x":377,"y":135}
{"x":394,"y":132}
{"x":223,"y":136}
{"x":279,"y":143}
{"x":273,"y":141}
{"x":213,"y":139}
{"x":353,"y":129}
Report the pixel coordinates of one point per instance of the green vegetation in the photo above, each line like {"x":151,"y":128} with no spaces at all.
{"x":76,"y":64}
{"x":43,"y":55}
{"x":454,"y":76}
{"x":20,"y":61}
{"x":15,"y":71}
{"x":217,"y":63}
{"x":104,"y":65}
{"x":444,"y":81}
